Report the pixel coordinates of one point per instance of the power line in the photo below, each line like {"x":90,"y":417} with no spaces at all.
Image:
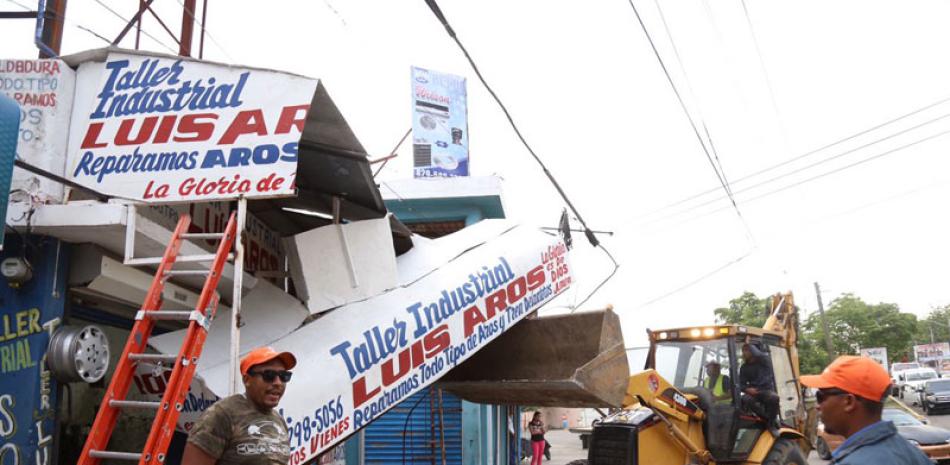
{"x":692,"y":92}
{"x":591,"y":238}
{"x":63,"y":19}
{"x":799,"y":157}
{"x":150,"y":36}
{"x":765,"y":73}
{"x":827,"y":173}
{"x":801,"y":169}
{"x":679,"y":98}
{"x":206,"y":31}
{"x":697,"y":280}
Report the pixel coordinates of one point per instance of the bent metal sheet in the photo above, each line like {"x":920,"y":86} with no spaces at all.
{"x":362,"y":359}
{"x":165,"y":129}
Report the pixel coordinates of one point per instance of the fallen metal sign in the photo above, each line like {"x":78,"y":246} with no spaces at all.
{"x":164,"y":129}
{"x":362,"y":359}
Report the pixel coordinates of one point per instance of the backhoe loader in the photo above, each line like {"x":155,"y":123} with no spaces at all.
{"x":672,"y":417}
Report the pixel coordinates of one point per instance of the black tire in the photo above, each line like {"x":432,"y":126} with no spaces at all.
{"x":578,"y":462}
{"x":821,"y":447}
{"x":785,"y":452}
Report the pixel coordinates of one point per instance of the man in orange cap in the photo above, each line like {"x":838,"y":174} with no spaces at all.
{"x":851,"y":393}
{"x":244,"y":429}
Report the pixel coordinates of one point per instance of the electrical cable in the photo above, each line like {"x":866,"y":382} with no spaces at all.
{"x":827,"y":173}
{"x":679,"y":98}
{"x":692,"y":93}
{"x":150,"y":36}
{"x":406,"y":423}
{"x":206,"y":31}
{"x":765,"y":73}
{"x":697,"y":280}
{"x":64,"y":20}
{"x":588,"y":232}
{"x":438,"y":14}
{"x":799,"y":170}
{"x":597,"y":288}
{"x":799,"y":157}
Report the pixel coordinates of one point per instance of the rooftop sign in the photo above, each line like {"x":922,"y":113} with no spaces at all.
{"x":165,"y":129}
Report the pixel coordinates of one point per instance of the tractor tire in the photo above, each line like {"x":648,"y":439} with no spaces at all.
{"x":785,"y":452}
{"x":821,"y":447}
{"x":577,"y":462}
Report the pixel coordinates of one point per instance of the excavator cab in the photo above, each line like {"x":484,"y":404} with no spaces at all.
{"x":687,"y":406}
{"x":704,"y":364}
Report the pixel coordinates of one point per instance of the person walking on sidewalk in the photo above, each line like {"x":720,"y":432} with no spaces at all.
{"x":851,"y":393}
{"x":536,"y":428}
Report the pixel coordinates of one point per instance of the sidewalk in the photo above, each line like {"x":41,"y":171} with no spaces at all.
{"x":565,"y":447}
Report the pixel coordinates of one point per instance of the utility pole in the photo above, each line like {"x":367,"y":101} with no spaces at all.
{"x":824,"y":324}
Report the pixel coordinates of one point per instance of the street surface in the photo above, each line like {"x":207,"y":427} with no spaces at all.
{"x":566,"y":446}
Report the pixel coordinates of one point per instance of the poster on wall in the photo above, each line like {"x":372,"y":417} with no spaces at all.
{"x":932,"y":352}
{"x":878,"y":354}
{"x":357,"y":368}
{"x":44,"y":90}
{"x":439,"y":124}
{"x":166,"y":129}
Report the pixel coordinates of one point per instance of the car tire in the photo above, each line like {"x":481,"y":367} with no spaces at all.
{"x":785,"y":452}
{"x":821,"y":447}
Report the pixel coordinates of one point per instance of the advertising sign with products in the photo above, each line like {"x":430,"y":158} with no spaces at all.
{"x":366,"y":357}
{"x":165,"y":129}
{"x":151,"y":379}
{"x":439,"y":124}
{"x":879,"y":354}
{"x":44,"y":90}
{"x":932,"y":352}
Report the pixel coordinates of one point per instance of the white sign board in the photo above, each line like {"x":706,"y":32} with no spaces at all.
{"x":878,"y":354}
{"x":151,"y":379}
{"x":44,"y":90}
{"x":164,"y":129}
{"x":360,"y":360}
{"x":931,"y":352}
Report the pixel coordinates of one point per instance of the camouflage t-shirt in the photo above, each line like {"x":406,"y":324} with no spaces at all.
{"x":236,"y":433}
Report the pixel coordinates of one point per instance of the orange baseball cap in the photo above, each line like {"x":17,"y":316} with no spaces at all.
{"x":860,"y":376}
{"x":264,"y":355}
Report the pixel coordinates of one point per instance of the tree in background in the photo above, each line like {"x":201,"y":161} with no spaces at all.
{"x":853,"y":324}
{"x":938,"y":321}
{"x":747,"y":309}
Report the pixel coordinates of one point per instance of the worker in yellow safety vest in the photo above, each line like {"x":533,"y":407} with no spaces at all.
{"x":719,"y":385}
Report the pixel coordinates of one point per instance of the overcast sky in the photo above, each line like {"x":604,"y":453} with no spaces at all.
{"x":588,"y":93}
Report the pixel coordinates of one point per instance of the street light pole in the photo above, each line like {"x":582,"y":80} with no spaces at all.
{"x":824,"y":324}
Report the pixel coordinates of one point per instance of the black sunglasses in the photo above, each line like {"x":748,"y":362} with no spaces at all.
{"x":269,"y":375}
{"x":824,"y":394}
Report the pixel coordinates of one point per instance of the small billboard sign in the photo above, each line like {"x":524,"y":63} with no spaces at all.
{"x":932,"y":352}
{"x":439,"y":124}
{"x":878,"y":354}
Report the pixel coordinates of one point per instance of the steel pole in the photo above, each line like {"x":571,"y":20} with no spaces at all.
{"x":235,"y":380}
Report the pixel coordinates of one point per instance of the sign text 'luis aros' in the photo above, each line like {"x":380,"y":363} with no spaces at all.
{"x":165,"y":129}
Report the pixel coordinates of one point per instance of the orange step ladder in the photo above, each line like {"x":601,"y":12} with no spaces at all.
{"x":185,"y":362}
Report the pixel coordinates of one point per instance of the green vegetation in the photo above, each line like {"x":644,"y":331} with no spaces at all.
{"x":853,"y":324}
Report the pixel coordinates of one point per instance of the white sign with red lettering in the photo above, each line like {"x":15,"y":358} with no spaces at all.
{"x":165,"y":129}
{"x":362,"y":359}
{"x":44,"y":90}
{"x":151,"y":380}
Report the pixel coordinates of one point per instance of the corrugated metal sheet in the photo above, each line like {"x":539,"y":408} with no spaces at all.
{"x":412,"y":432}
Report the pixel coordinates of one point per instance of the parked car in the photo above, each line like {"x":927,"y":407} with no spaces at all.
{"x":913,"y":380}
{"x":932,"y":440}
{"x":896,"y":370}
{"x":935,"y":395}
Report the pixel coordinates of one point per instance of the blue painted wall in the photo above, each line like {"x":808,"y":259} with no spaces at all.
{"x":28,"y":315}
